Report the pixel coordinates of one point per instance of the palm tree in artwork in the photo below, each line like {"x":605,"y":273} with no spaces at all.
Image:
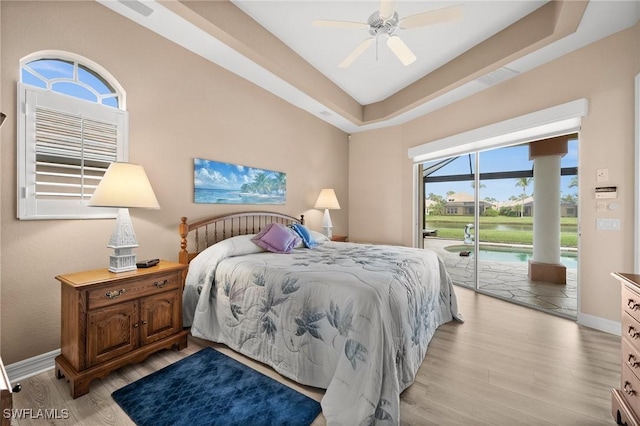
{"x":280,"y":182}
{"x":261,"y":182}
{"x":523,"y":182}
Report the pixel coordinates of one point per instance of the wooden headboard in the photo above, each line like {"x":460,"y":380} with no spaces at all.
{"x":209,"y":231}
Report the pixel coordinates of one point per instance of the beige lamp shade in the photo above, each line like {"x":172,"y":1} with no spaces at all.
{"x":124,"y":185}
{"x":327,"y":200}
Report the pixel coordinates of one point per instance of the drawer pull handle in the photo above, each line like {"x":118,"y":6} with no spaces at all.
{"x":633,"y":333}
{"x":115,"y":293}
{"x":632,"y":361}
{"x":135,"y":325}
{"x":628,"y":388}
{"x":633,"y":305}
{"x":161,"y":284}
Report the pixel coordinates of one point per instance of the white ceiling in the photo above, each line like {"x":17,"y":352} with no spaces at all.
{"x":371,"y":79}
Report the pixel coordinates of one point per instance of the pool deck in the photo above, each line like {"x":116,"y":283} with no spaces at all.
{"x":509,"y":280}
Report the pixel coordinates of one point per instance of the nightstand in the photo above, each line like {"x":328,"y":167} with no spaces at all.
{"x":341,"y":238}
{"x":113,"y":319}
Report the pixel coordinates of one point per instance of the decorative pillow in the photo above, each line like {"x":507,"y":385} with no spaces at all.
{"x":276,"y":238}
{"x":303,"y":232}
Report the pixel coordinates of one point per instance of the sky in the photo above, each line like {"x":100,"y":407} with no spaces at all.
{"x":514,"y":158}
{"x":218,"y":175}
{"x":69,"y":78}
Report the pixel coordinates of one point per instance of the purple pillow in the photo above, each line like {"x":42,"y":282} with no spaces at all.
{"x":276,"y":238}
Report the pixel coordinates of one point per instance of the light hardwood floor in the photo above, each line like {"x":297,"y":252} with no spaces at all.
{"x":505,"y":365}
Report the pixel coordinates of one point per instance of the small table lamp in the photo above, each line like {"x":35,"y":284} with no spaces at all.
{"x":124,"y":185}
{"x":327,"y":200}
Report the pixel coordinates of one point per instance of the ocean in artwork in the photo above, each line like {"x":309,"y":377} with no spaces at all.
{"x":232,"y":196}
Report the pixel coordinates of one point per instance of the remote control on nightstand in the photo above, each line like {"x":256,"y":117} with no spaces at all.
{"x":148,"y":263}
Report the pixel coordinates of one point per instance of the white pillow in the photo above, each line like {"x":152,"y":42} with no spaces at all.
{"x":242,"y":244}
{"x":320,"y":238}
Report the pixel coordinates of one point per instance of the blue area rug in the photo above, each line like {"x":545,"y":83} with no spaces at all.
{"x":209,"y":388}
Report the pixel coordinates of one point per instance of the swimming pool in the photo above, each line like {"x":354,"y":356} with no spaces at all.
{"x":512,"y":254}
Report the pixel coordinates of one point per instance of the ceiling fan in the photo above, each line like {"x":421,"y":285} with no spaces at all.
{"x":385,"y":22}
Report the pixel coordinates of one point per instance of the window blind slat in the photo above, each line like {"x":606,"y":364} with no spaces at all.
{"x":66,"y":175}
{"x":65,"y":185}
{"x":67,"y":141}
{"x":60,"y":195}
{"x":71,"y":166}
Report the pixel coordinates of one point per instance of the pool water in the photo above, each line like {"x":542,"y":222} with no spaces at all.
{"x":512,"y":254}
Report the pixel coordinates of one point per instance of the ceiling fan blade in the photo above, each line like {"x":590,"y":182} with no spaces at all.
{"x":387,"y":9}
{"x":401,"y":50}
{"x":319,"y":23}
{"x":356,"y":52}
{"x":431,"y":17}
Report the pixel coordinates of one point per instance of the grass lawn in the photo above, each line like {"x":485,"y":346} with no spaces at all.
{"x":567,"y":239}
{"x":456,"y":230}
{"x":504,"y":220}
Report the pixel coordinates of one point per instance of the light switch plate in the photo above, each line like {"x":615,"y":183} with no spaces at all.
{"x":608,"y":224}
{"x":602,"y":175}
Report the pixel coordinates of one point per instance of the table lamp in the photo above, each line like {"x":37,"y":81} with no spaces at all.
{"x":124,"y":185}
{"x":327,"y":200}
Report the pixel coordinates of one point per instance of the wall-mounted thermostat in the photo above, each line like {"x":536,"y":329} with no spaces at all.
{"x":606,"y":192}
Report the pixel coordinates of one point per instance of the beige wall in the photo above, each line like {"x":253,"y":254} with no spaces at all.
{"x":181,"y":107}
{"x":375,"y":160}
{"x":604,"y":74}
{"x":1,"y":144}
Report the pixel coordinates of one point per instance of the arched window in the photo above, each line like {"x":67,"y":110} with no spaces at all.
{"x":72,"y":124}
{"x":70,"y":78}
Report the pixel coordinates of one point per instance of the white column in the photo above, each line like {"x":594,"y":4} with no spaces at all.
{"x":545,"y":265}
{"x":546,"y":209}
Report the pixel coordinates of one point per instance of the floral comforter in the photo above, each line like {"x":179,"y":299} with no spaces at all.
{"x":353,"y":319}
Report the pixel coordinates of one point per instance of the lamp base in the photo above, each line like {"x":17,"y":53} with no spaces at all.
{"x":328,"y":231}
{"x":326,"y":223}
{"x":122,"y":241}
{"x":122,"y":260}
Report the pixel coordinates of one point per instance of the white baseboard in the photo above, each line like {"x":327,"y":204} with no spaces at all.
{"x":608,"y":326}
{"x":30,"y":367}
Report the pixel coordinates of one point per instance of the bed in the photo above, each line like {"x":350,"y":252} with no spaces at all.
{"x":354,"y":319}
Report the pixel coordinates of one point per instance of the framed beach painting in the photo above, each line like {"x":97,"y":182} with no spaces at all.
{"x":216,"y":182}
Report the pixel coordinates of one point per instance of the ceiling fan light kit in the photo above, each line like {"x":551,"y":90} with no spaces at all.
{"x":385,"y":22}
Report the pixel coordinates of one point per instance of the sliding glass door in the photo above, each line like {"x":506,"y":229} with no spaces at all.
{"x":479,"y":216}
{"x":449,"y":219}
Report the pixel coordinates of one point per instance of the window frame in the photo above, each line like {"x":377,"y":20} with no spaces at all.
{"x":29,"y":207}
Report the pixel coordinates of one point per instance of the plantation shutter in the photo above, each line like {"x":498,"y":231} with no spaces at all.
{"x":72,"y":153}
{"x":69,"y":144}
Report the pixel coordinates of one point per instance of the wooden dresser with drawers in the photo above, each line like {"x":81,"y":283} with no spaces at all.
{"x":625,"y":402}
